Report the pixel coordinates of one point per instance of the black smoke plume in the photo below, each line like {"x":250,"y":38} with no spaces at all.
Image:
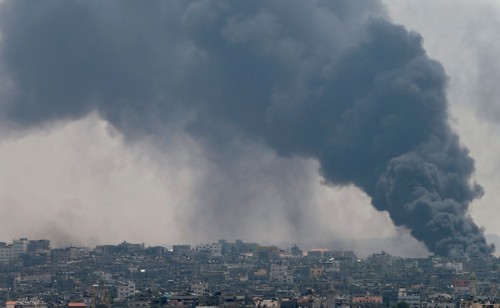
{"x":329,"y":80}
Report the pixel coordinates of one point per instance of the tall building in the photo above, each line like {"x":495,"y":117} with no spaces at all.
{"x":5,"y":253}
{"x":19,"y":247}
{"x":280,"y":272}
{"x":38,"y":245}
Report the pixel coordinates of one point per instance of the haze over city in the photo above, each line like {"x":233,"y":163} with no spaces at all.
{"x":278,"y":122}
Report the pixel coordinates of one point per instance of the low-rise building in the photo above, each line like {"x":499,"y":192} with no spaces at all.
{"x":367,"y":301}
{"x":214,"y":249}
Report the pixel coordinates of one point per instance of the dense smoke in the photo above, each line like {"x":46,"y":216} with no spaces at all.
{"x":329,"y":80}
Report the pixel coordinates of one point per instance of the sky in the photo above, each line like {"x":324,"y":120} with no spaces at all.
{"x":93,"y":172}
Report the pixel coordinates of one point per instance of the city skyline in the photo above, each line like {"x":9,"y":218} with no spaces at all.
{"x":239,"y":274}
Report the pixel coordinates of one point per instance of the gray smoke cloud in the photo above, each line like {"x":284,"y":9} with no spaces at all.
{"x":329,"y":80}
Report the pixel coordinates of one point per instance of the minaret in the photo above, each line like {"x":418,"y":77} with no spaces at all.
{"x":331,"y":296}
{"x":473,"y":284}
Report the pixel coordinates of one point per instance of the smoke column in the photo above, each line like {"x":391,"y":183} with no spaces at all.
{"x":329,"y":80}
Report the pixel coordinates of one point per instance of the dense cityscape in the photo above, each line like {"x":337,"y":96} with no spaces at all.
{"x":285,"y":121}
{"x":239,"y":274}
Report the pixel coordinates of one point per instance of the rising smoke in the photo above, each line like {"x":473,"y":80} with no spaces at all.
{"x":329,"y":80}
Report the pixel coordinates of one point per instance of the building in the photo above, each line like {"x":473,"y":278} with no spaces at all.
{"x":367,"y":301}
{"x":331,"y":266}
{"x":214,"y":249}
{"x":470,"y":304}
{"x":59,"y":255}
{"x":125,"y":290}
{"x":412,"y":299}
{"x":316,"y":272}
{"x":280,"y":272}
{"x":5,"y":253}
{"x":200,"y":288}
{"x":180,"y":250}
{"x":26,"y":303}
{"x":19,"y":247}
{"x":38,"y":246}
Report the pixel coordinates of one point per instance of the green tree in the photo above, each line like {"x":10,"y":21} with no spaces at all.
{"x":401,"y":305}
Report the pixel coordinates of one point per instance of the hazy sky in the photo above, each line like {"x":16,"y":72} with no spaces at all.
{"x":85,"y":178}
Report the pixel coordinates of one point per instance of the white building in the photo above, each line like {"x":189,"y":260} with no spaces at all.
{"x":19,"y":247}
{"x":215,"y":249}
{"x":5,"y":253}
{"x":412,"y":299}
{"x":457,"y":267}
{"x":280,"y":272}
{"x":126,"y":290}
